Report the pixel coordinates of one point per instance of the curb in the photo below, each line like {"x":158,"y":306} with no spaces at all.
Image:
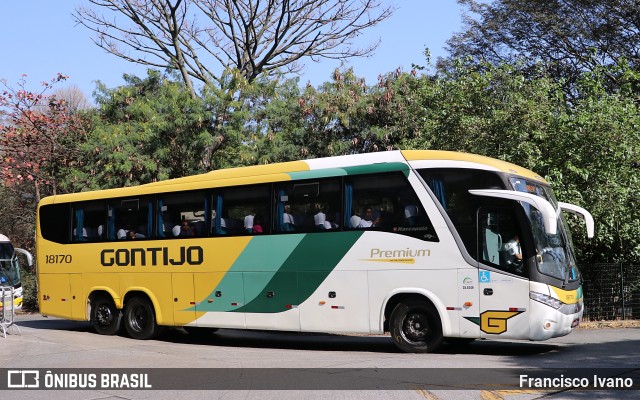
{"x":609,"y":324}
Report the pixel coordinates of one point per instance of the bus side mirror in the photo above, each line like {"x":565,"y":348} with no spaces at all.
{"x":28,"y":256}
{"x":588,"y":218}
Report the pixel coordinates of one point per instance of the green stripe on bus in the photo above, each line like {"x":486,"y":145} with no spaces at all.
{"x":301,"y":274}
{"x":259,"y":261}
{"x":317,"y":174}
{"x":354,"y":170}
{"x":377,"y":168}
{"x":266,"y":253}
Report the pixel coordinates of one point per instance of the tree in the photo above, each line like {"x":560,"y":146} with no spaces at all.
{"x":585,"y":148}
{"x":74,"y":98}
{"x":147,"y":130}
{"x":252,"y":36}
{"x":589,"y":158}
{"x":39,"y":139}
{"x":567,"y":36}
{"x":489,"y":110}
{"x":342,"y":116}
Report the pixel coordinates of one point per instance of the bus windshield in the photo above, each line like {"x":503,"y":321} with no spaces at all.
{"x":9,"y":267}
{"x":554,"y":255}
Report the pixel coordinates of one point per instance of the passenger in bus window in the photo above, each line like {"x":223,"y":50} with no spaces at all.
{"x":328,"y":222}
{"x":186,"y":230}
{"x":80,"y":238}
{"x":411,"y":214}
{"x":248,"y":223}
{"x":223,"y":223}
{"x":131,"y":235}
{"x":121,"y":234}
{"x":367,"y":220}
{"x":320,"y":217}
{"x":257,"y":224}
{"x":288,"y":223}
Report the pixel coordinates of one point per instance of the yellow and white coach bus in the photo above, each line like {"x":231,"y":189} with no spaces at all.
{"x":430,"y":246}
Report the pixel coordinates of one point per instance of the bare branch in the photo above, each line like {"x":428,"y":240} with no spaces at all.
{"x":254,"y":36}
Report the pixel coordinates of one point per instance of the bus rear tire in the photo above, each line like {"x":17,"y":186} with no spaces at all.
{"x":415,"y":327}
{"x":105,"y":316}
{"x":140,"y":319}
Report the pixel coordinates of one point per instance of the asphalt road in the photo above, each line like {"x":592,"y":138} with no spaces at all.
{"x":276,"y":365}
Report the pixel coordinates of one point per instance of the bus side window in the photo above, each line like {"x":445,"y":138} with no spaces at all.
{"x":241,"y":211}
{"x":499,"y":239}
{"x":308,"y":206}
{"x":182,"y":215}
{"x":386,"y":202}
{"x":130,"y":218}
{"x":54,"y":222}
{"x":87,"y":217}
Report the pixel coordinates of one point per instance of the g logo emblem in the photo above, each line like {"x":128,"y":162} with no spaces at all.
{"x":495,"y":322}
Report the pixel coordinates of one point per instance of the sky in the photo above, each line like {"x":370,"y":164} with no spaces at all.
{"x":41,"y":39}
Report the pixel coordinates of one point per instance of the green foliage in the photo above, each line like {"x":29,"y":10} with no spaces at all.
{"x":589,"y":157}
{"x":493,"y":111}
{"x":148,"y":130}
{"x":569,"y":37}
{"x":585,"y":145}
{"x":584,"y":148}
{"x":17,"y":218}
{"x":29,"y":290}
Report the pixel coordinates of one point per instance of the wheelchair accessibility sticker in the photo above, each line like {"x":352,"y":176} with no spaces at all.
{"x":485,"y":277}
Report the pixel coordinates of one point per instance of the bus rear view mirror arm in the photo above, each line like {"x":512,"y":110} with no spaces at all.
{"x":549,"y":215}
{"x":588,"y":218}
{"x":27,"y":255}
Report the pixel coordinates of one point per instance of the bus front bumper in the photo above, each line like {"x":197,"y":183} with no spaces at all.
{"x":548,"y":322}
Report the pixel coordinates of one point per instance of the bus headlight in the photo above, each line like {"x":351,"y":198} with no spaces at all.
{"x":545,"y":299}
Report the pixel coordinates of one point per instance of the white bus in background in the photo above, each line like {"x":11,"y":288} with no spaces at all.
{"x":10,"y":269}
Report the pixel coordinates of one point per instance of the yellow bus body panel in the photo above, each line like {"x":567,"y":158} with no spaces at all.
{"x":65,"y":289}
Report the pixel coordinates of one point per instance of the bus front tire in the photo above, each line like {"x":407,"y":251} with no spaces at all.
{"x":415,"y":327}
{"x":140,"y":319}
{"x":105,"y":316}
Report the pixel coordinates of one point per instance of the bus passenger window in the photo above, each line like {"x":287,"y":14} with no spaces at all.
{"x":54,"y":222}
{"x":182,"y":215}
{"x":386,"y":202}
{"x":308,"y":206}
{"x":87,"y":217}
{"x":241,"y":211}
{"x":130,"y":215}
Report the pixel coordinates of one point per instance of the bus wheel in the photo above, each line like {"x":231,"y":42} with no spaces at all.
{"x":199,"y":332}
{"x":415,"y":327}
{"x":105,"y":316}
{"x":140,"y":319}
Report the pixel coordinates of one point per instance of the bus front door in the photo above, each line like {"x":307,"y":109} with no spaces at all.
{"x":502,"y":281}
